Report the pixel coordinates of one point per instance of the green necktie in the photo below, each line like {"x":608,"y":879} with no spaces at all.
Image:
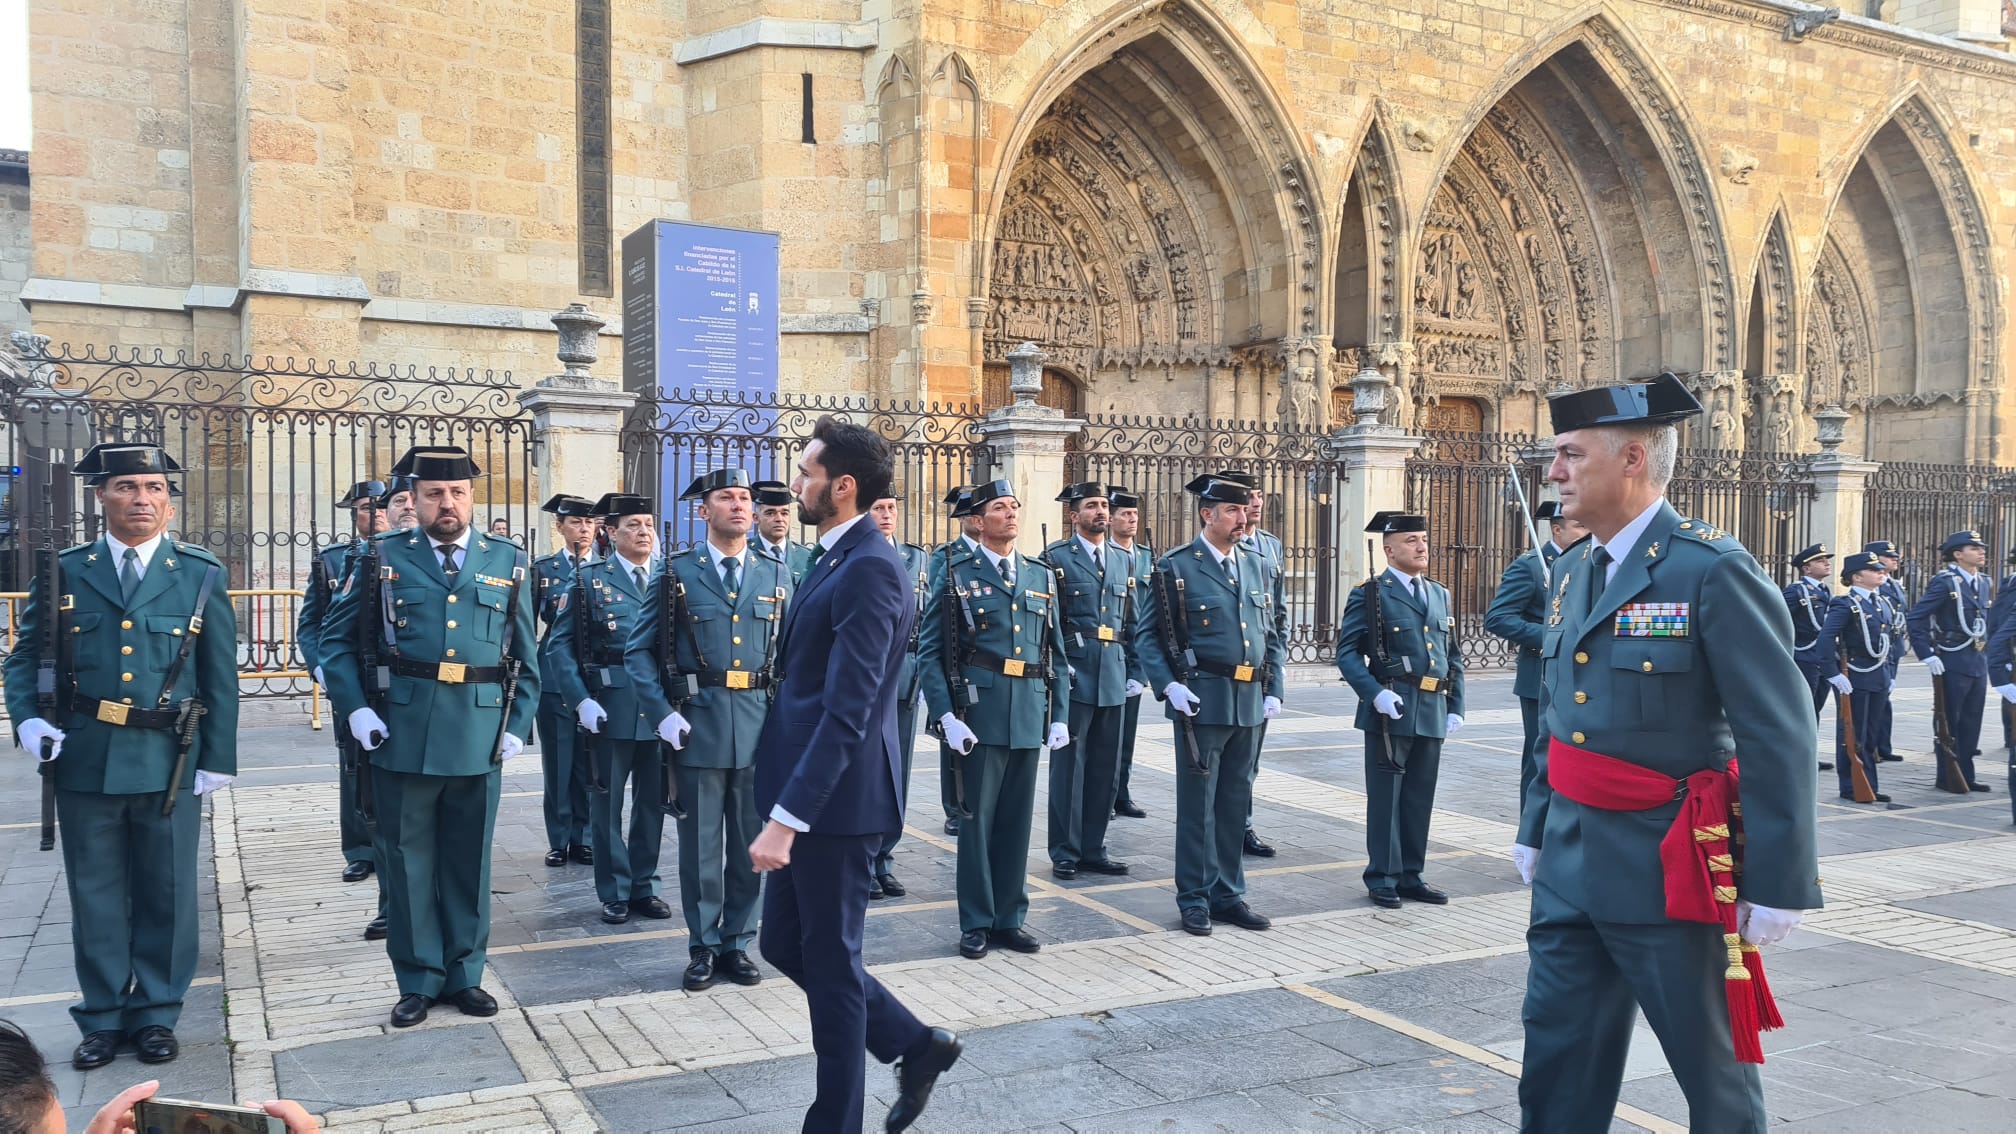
{"x":1598,"y":578}
{"x":818,"y":549}
{"x":129,"y":575}
{"x":731,"y":578}
{"x":637,"y":573}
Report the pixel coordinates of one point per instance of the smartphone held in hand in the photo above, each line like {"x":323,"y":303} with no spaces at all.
{"x":179,"y":1116}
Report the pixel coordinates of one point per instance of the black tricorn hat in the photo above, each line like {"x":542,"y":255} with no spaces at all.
{"x":981,"y":494}
{"x":1548,"y":510}
{"x":394,"y":485}
{"x":769,"y":493}
{"x":1214,"y":489}
{"x":1085,"y":490}
{"x":1123,"y":497}
{"x":437,"y":462}
{"x":615,"y":504}
{"x":714,"y":482}
{"x":567,"y":504}
{"x":124,"y":458}
{"x":1391,"y":523}
{"x":1238,"y":477}
{"x":1663,"y":399}
{"x":956,"y":499}
{"x":364,"y":492}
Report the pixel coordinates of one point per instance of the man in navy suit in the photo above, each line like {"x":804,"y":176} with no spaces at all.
{"x":829,"y":777}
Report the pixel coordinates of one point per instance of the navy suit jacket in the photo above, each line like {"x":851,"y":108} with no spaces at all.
{"x":828,"y":751}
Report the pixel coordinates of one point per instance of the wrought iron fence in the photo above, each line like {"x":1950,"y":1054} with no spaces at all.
{"x":1763,"y":499}
{"x":1156,"y":457}
{"x":1462,"y":483}
{"x":1916,"y":506}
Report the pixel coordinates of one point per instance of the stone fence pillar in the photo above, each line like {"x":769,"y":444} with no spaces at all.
{"x":1842,"y":483}
{"x":1373,"y":462}
{"x":577,"y":422}
{"x":1029,"y":442}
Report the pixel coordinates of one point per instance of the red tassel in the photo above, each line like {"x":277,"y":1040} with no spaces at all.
{"x":1743,"y":1021}
{"x":1767,"y":1004}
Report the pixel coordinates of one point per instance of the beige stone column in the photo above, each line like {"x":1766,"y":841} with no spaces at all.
{"x":577,"y":420}
{"x":1374,"y":472}
{"x":1842,"y":483}
{"x":1028,"y":441}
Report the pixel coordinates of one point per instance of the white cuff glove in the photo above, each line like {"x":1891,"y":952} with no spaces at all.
{"x":33,"y":731}
{"x":1270,"y":708}
{"x":1527,"y":859}
{"x":960,"y":738}
{"x":1179,"y":695}
{"x":1135,"y":688}
{"x":1058,"y":738}
{"x":1933,"y":666}
{"x":369,"y":728}
{"x":318,"y":676}
{"x":1762,"y":925}
{"x":591,"y":714}
{"x":510,"y":746}
{"x":207,"y":782}
{"x":1841,"y":684}
{"x":2008,"y":691}
{"x":1453,"y":724}
{"x":673,"y":730}
{"x":1387,"y":702}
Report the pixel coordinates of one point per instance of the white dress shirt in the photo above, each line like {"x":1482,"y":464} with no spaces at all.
{"x":140,"y":561}
{"x":1625,"y":539}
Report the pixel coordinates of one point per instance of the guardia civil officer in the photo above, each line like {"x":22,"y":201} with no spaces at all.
{"x":453,"y":620}
{"x":1267,"y":546}
{"x":967,"y":543}
{"x":366,"y":520}
{"x":1095,"y":601}
{"x":1518,"y":614}
{"x":1410,"y":698}
{"x":994,"y":673}
{"x":909,"y":687}
{"x":398,"y":504}
{"x":585,"y":659}
{"x":1141,"y":566}
{"x":564,"y":768}
{"x":773,"y":527}
{"x":1891,"y":591}
{"x":1206,"y":638}
{"x":1857,"y":638}
{"x":718,"y":604}
{"x":1668,"y":658}
{"x":1949,"y":630}
{"x":144,"y":719}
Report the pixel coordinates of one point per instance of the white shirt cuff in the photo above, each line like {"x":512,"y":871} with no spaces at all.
{"x":789,"y":820}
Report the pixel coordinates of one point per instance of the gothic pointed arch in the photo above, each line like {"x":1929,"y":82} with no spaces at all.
{"x":1772,"y":341}
{"x":1369,"y":293}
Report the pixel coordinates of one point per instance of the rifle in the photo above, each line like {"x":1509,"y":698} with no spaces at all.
{"x":1056,"y":574}
{"x":1949,"y":778}
{"x":373,"y":634}
{"x":1864,"y":793}
{"x":584,"y":660}
{"x":1176,"y":644}
{"x":1383,"y":666}
{"x":190,"y":712}
{"x":680,"y":687}
{"x":512,"y":664}
{"x":50,"y":669}
{"x":956,"y":650}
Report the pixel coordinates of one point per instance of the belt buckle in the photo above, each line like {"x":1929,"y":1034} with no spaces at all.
{"x":1106,"y":634}
{"x":1013,"y":667}
{"x":741,"y":679}
{"x":1242,"y":673}
{"x":1430,"y":684}
{"x":113,"y":714}
{"x":452,"y":673}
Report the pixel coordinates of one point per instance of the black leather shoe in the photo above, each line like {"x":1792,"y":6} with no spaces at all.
{"x":1385,"y":898}
{"x":155,"y":1044}
{"x":700,"y":974}
{"x":1128,"y":808}
{"x":357,"y":871}
{"x":1257,"y":846}
{"x":1065,"y":870}
{"x":890,"y":886}
{"x":874,"y":888}
{"x":1880,"y":797}
{"x":1891,"y":758}
{"x":1017,"y":940}
{"x":1103,"y":866}
{"x":96,"y":1050}
{"x":556,"y":857}
{"x":973,"y":944}
{"x":615,"y":913}
{"x":1422,"y":892}
{"x":583,"y":855}
{"x":473,"y":1001}
{"x":653,"y":907}
{"x":1197,"y":921}
{"x":1979,"y":787}
{"x":739,"y":967}
{"x":1826,"y":765}
{"x":375,"y":929}
{"x":1241,"y":915}
{"x":411,"y":1010}
{"x":952,"y":826}
{"x":917,"y":1073}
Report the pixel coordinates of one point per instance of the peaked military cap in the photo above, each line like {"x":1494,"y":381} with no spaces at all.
{"x":1885,"y":547}
{"x":1393,"y":523}
{"x":715,"y":481}
{"x":567,"y":504}
{"x":1548,"y":510}
{"x":124,"y":458}
{"x":1807,"y":555}
{"x":768,"y":493}
{"x":617,"y":504}
{"x":1123,"y":497}
{"x":1085,"y":490}
{"x":394,"y":485}
{"x":1214,"y":489}
{"x":1860,"y":561}
{"x":981,"y":496}
{"x":437,"y":462}
{"x":362,"y":493}
{"x":1664,"y":399}
{"x":1959,"y":540}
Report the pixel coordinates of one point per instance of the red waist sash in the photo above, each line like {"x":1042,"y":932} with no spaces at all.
{"x":1699,"y":856}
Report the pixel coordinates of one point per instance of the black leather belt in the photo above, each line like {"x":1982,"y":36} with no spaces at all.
{"x":124,"y":715}
{"x":733,"y":679}
{"x":1235,"y":672}
{"x":1007,"y":667}
{"x":449,"y":673}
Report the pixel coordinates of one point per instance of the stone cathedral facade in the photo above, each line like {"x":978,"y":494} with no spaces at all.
{"x":1216,"y":207}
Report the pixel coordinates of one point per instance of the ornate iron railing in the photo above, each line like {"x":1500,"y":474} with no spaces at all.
{"x":1462,"y":483}
{"x":1763,"y":499}
{"x":1916,"y":506}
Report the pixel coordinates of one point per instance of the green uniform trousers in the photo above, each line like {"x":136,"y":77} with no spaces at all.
{"x":1130,"y":721}
{"x":132,"y":880}
{"x":906,"y":743}
{"x":1583,"y":978}
{"x":719,"y":889}
{"x":626,"y":862}
{"x":1211,"y":815}
{"x":1529,"y":755}
{"x":1397,"y":809}
{"x":566,"y":802}
{"x":994,"y":843}
{"x":1259,"y":742}
{"x":1081,"y":785}
{"x":434,"y":837}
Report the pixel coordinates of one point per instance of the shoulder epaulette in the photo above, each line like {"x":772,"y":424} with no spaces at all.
{"x":916,"y":548}
{"x":761,"y":551}
{"x":190,"y":549}
{"x":1702,"y":531}
{"x":392,"y":533}
{"x":78,"y":549}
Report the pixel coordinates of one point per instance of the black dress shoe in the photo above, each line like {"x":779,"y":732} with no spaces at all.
{"x":155,"y":1044}
{"x":1385,"y":898}
{"x":916,"y":1073}
{"x":1241,"y":915}
{"x":700,"y":975}
{"x":739,"y":967}
{"x":653,"y":907}
{"x":1826,"y":765}
{"x":1979,"y":787}
{"x":973,"y":944}
{"x":411,"y":1009}
{"x":952,"y":826}
{"x":1197,"y":921}
{"x":97,"y":1050}
{"x":1103,"y":866}
{"x":874,"y":888}
{"x":357,"y":871}
{"x":583,"y":855}
{"x":890,"y":886}
{"x":1065,"y":870}
{"x":1128,"y":808}
{"x":473,"y":1001}
{"x":1891,"y":758}
{"x":1880,"y":797}
{"x":1256,"y":846}
{"x":615,"y":913}
{"x":375,"y":929}
{"x":1017,"y":940}
{"x":556,"y":857}
{"x":1422,"y":892}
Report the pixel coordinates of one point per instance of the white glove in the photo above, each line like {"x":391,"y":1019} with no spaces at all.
{"x":591,"y":714}
{"x":207,"y":782}
{"x":1179,"y":696}
{"x":2008,"y":691}
{"x":1058,"y":738}
{"x":1762,"y":925}
{"x":1453,"y":724}
{"x":1841,"y":684}
{"x":1527,"y":859}
{"x":1135,"y":688}
{"x":369,"y":728}
{"x":673,"y":730}
{"x":1270,"y":708}
{"x":957,"y":735}
{"x":1933,"y":666}
{"x":1387,"y":702}
{"x":318,"y":676}
{"x":510,"y":746}
{"x":33,"y":731}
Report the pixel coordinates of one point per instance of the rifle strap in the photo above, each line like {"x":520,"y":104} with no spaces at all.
{"x":195,"y":629}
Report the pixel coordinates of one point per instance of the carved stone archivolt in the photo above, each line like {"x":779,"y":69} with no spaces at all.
{"x":1838,"y":337}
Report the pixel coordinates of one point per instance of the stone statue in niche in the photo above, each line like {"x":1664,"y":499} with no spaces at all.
{"x":1778,"y":427}
{"x":1724,"y":431}
{"x":1465,"y":306}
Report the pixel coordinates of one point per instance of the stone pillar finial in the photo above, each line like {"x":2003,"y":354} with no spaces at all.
{"x":1368,"y":399}
{"x":1830,"y":427}
{"x":1025,"y":372}
{"x":580,"y":330}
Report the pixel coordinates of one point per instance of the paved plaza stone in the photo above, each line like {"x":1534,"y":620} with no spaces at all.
{"x":1900,"y":996}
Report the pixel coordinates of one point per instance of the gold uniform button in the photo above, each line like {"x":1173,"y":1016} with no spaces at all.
{"x":177,"y":631}
{"x":734,"y":618}
{"x":125,"y":677}
{"x":1581,"y":658}
{"x":451,"y":653}
{"x":736,"y":663}
{"x":738,"y":641}
{"x":1018,"y":627}
{"x":451,"y":599}
{"x":451,"y":624}
{"x":1576,"y":737}
{"x":126,"y":625}
{"x":125,"y":649}
{"x":125,"y":700}
{"x":1646,"y":666}
{"x":1012,"y":606}
{"x":1581,"y":698}
{"x":1018,"y":649}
